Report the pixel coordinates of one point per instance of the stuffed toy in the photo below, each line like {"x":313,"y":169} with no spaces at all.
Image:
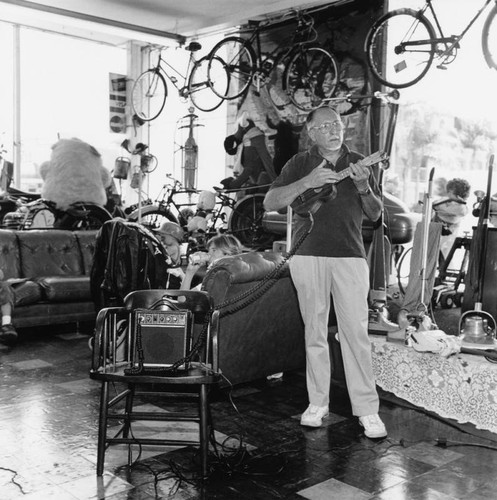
{"x":205,"y":205}
{"x":74,"y":173}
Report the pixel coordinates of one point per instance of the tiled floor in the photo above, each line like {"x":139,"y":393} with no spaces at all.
{"x":48,"y":435}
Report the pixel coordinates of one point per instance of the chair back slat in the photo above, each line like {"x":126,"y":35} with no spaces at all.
{"x":200,"y":303}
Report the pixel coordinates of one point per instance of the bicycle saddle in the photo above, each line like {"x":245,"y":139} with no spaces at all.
{"x":193,"y":46}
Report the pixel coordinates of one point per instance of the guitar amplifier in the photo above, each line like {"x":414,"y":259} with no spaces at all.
{"x":161,"y":337}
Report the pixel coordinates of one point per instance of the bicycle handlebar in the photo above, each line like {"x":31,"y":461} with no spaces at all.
{"x":178,"y":186}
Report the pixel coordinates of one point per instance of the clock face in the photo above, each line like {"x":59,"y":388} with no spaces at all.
{"x":43,"y":218}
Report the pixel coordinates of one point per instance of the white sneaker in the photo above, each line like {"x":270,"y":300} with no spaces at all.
{"x":313,"y":416}
{"x":373,"y":426}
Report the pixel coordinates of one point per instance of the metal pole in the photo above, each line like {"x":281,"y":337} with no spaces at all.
{"x":426,"y":231}
{"x":16,"y":97}
{"x":289,"y":221}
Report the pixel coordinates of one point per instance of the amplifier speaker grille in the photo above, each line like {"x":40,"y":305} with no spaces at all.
{"x":165,"y":336}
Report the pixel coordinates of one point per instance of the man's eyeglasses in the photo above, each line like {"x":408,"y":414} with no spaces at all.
{"x":326,"y":127}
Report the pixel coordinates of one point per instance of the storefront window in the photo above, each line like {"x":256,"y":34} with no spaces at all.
{"x":446,"y":120}
{"x":6,"y":91}
{"x":64,"y":93}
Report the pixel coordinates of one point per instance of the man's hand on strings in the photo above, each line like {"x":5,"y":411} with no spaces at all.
{"x":321,"y":176}
{"x":360,"y":175}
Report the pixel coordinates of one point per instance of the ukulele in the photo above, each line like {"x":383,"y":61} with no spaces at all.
{"x":312,"y":199}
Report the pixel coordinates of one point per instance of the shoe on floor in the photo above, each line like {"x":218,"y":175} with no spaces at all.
{"x":8,"y":334}
{"x":373,"y":426}
{"x":313,"y":416}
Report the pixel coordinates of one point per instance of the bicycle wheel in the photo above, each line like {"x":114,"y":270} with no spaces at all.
{"x":149,"y":94}
{"x":310,"y":76}
{"x":240,"y":61}
{"x":152,"y":217}
{"x":489,"y":38}
{"x":245,"y":223}
{"x":399,"y":48}
{"x":199,"y":86}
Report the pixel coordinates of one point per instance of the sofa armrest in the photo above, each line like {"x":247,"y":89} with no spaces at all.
{"x":10,"y":261}
{"x":250,"y":266}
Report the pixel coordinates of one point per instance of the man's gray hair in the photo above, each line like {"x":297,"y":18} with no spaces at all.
{"x":312,"y":114}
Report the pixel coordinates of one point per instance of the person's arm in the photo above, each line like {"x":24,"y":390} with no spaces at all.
{"x":174,"y":271}
{"x":371,"y":203}
{"x":282,"y":196}
{"x":186,"y":282}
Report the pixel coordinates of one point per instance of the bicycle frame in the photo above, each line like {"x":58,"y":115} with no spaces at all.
{"x":453,"y":40}
{"x":162,"y":66}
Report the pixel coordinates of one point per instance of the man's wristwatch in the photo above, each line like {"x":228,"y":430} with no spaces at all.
{"x":365,"y":193}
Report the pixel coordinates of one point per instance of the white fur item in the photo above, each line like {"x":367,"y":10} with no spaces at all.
{"x":75,"y":173}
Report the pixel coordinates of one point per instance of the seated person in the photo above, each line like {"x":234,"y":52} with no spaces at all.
{"x":217,"y":247}
{"x":171,"y":236}
{"x":450,"y":210}
{"x":8,"y":334}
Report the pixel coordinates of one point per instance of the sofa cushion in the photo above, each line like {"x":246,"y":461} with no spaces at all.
{"x":87,"y":241}
{"x":65,"y":288}
{"x":51,"y":313}
{"x":27,"y":292}
{"x":9,"y":254}
{"x":51,"y":252}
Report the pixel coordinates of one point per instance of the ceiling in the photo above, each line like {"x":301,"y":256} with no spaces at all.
{"x":162,"y":22}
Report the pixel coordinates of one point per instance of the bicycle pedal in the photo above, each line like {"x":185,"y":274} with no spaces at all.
{"x":442,"y":66}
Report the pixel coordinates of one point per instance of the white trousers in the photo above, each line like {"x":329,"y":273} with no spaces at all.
{"x":347,"y":280}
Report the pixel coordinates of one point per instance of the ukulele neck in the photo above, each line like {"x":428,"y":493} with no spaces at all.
{"x":343,"y":174}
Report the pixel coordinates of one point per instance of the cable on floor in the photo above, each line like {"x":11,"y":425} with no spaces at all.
{"x":13,"y":478}
{"x":445,"y":443}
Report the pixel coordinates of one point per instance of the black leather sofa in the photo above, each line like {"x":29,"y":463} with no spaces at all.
{"x":50,"y":272}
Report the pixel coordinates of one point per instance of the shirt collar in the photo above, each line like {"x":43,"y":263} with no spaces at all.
{"x":344,"y":150}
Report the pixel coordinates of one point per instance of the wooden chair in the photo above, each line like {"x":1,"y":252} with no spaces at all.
{"x":118,"y":358}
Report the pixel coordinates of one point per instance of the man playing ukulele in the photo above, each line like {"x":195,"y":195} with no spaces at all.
{"x":332,"y":260}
